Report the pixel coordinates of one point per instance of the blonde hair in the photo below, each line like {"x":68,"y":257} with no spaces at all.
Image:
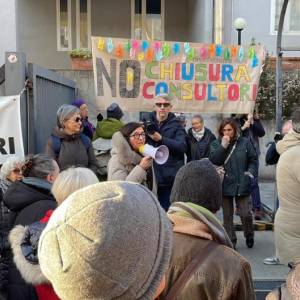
{"x":71,"y":180}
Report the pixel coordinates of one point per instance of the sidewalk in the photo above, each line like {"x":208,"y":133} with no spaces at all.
{"x":264,"y":242}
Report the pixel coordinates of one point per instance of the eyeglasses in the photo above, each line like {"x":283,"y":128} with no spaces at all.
{"x":162,"y":105}
{"x":78,"y":119}
{"x":16,"y":170}
{"x":137,"y":136}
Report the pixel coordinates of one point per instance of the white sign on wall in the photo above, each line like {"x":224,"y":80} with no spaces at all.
{"x":11,"y":140}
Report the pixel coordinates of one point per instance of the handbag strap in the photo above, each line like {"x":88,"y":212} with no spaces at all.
{"x":190,"y":270}
{"x":227,"y":159}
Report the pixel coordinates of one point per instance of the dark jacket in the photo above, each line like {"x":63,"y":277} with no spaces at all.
{"x":4,"y":218}
{"x":28,"y":201}
{"x":72,"y":152}
{"x":272,"y":156}
{"x":224,"y":274}
{"x":88,"y":128}
{"x":243,"y":159}
{"x":199,"y":149}
{"x":253,"y":133}
{"x":174,"y":137}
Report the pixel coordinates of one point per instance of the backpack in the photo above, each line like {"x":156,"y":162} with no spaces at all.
{"x":102,"y":149}
{"x":56,"y":143}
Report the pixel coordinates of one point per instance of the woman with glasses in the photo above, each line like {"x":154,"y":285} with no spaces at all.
{"x":9,"y":173}
{"x":67,"y":144}
{"x":126,"y":162}
{"x":87,"y":127}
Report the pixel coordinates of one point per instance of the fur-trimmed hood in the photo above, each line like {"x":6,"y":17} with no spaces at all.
{"x":122,"y":149}
{"x":30,"y":272}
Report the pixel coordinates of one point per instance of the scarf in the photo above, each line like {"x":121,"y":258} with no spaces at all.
{"x":201,"y":222}
{"x":198,"y":135}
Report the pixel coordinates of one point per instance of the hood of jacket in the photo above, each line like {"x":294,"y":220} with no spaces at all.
{"x":192,"y":219}
{"x":106,"y":128}
{"x":62,"y":135}
{"x":121,"y":147}
{"x":291,"y":139}
{"x":27,"y":191}
{"x":30,"y":272}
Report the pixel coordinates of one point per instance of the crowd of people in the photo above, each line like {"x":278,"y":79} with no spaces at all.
{"x":148,"y":230}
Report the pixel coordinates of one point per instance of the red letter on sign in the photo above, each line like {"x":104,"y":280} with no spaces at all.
{"x":234,"y":92}
{"x":145,"y":88}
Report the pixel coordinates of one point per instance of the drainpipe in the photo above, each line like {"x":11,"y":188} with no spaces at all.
{"x":279,"y":81}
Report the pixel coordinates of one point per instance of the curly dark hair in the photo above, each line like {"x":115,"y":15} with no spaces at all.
{"x":38,"y":165}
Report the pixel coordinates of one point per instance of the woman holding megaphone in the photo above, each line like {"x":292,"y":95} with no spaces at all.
{"x":126,"y":162}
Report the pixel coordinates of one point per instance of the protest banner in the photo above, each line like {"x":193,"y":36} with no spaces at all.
{"x":11,"y":140}
{"x":198,"y":77}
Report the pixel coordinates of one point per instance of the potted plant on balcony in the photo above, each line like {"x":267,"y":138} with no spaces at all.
{"x":81,"y":59}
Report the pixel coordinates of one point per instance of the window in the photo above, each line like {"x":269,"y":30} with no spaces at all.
{"x":83,"y":24}
{"x":292,"y":17}
{"x":147,"y":19}
{"x":63,"y":19}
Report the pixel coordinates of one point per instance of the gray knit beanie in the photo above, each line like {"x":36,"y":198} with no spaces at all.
{"x":111,"y":240}
{"x":64,"y":113}
{"x":198,"y":182}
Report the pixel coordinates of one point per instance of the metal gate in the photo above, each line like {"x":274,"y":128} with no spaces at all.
{"x":42,"y":92}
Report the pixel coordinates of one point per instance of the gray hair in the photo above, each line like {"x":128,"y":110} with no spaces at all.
{"x":38,"y":165}
{"x":163,"y":96}
{"x":296,"y":120}
{"x":64,"y":113}
{"x":198,"y":117}
{"x":71,"y":180}
{"x":9,"y":165}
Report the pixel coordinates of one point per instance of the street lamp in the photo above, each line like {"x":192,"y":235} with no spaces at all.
{"x":239,"y":25}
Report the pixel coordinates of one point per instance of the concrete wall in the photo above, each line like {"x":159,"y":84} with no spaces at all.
{"x":8,"y":40}
{"x":36,"y":27}
{"x":176,"y":22}
{"x":200,"y":21}
{"x":111,"y":18}
{"x":257,"y":13}
{"x":37,"y":33}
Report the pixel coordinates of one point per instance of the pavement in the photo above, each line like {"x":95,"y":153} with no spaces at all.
{"x":264,"y":241}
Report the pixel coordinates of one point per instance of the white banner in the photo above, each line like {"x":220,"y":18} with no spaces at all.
{"x":11,"y":140}
{"x":198,"y":77}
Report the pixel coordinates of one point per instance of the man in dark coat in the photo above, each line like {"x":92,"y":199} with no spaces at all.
{"x":166,"y":130}
{"x":199,"y":139}
{"x":252,"y":129}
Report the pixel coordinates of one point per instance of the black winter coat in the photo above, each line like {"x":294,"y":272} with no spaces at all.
{"x":199,"y":149}
{"x":243,"y":159}
{"x":272,"y":156}
{"x":27,"y":204}
{"x":174,"y":137}
{"x":253,"y":133}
